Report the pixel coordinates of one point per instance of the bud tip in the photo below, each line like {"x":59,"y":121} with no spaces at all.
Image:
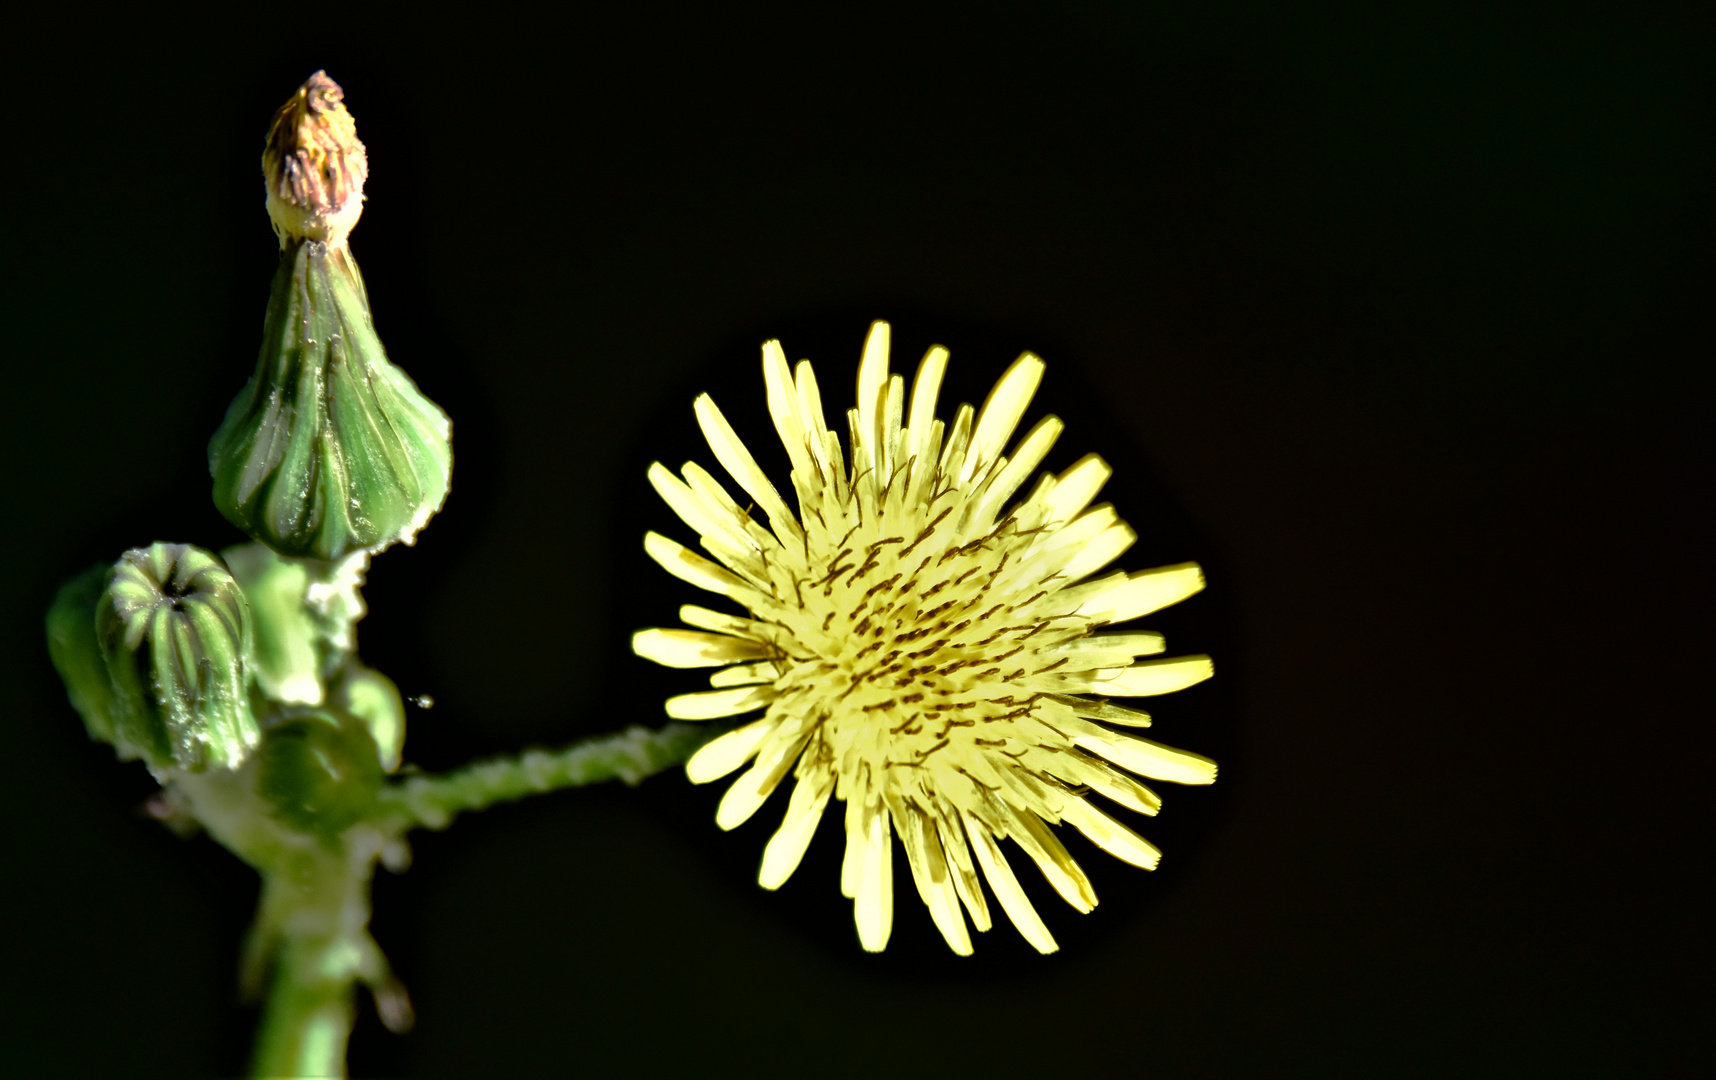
{"x":314,"y":165}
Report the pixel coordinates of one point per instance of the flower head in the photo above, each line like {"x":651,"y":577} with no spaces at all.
{"x":922,"y":649}
{"x":154,"y":651}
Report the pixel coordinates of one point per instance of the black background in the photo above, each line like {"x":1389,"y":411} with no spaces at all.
{"x":1396,"y":319}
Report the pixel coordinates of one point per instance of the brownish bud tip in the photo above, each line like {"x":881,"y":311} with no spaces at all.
{"x":314,"y":164}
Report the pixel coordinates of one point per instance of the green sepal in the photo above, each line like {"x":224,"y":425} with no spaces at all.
{"x":76,"y":653}
{"x":372,"y":697}
{"x":174,"y":633}
{"x":318,"y":770}
{"x":330,"y":448}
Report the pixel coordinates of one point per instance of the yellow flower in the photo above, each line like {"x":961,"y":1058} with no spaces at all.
{"x":921,"y":653}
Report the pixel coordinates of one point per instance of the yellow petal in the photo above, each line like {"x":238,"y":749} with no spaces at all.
{"x":711,"y":704}
{"x":693,"y":649}
{"x":725,"y":624}
{"x":873,"y":910}
{"x":784,"y":407}
{"x":1099,"y":551}
{"x":958,"y":440}
{"x":930,"y":873}
{"x":721,"y":755}
{"x":694,"y":569}
{"x":731,"y":452}
{"x":1106,"y":712}
{"x":683,"y":501}
{"x":810,"y":406}
{"x":1102,"y":709}
{"x":1134,"y":643}
{"x":1144,"y":592}
{"x":756,"y":784}
{"x":1074,"y":488}
{"x":786,"y":848}
{"x":1028,"y":831}
{"x":872,"y":377}
{"x":1152,"y":677}
{"x":1019,"y":468}
{"x":852,"y":861}
{"x":965,"y":881}
{"x":925,"y":386}
{"x":1148,"y":758}
{"x":1100,"y":777}
{"x":764,"y":671}
{"x":1110,"y":835}
{"x":1001,"y":412}
{"x":1007,"y":889}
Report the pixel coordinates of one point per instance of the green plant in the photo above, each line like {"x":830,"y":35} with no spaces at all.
{"x":234,"y":677}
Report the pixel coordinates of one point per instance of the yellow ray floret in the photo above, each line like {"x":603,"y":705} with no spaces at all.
{"x":921,"y":649}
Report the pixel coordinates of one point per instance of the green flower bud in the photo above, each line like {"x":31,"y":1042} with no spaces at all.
{"x":370,"y":696}
{"x":318,"y":771}
{"x":174,"y":632}
{"x":330,"y":448}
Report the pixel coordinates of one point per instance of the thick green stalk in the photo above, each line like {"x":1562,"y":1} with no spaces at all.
{"x":632,"y":755}
{"x":312,"y":932}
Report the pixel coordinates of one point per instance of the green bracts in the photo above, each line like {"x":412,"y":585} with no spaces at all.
{"x":154,"y":652}
{"x":330,"y":449}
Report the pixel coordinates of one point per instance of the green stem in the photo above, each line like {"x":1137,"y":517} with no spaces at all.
{"x":312,"y":931}
{"x":308,"y":1020}
{"x":635,"y":753}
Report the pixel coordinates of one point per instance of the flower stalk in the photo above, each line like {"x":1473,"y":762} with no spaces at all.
{"x":633,"y":755}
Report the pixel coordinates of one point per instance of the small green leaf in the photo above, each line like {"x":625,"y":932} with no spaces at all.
{"x":371,"y":697}
{"x":77,"y":654}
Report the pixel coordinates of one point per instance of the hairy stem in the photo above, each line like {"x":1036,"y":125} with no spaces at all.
{"x":633,"y":754}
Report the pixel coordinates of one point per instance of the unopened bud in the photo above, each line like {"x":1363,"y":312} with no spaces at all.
{"x":174,"y":633}
{"x":314,"y":165}
{"x":329,"y":449}
{"x":318,"y":771}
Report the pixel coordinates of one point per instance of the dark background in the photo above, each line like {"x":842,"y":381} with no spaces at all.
{"x":1397,"y":319}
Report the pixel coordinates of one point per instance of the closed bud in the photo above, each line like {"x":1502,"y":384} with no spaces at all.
{"x":174,"y":633}
{"x":318,"y":771}
{"x":329,"y":449}
{"x":314,"y":165}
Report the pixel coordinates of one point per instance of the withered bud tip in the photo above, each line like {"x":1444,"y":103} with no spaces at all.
{"x":314,"y":165}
